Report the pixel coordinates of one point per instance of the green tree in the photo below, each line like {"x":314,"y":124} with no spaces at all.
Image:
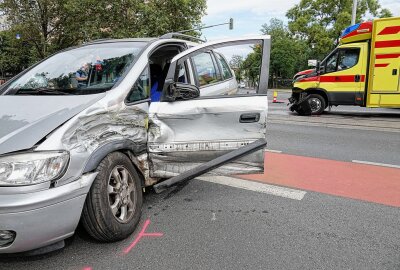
{"x":320,"y":22}
{"x":162,"y":16}
{"x":252,"y":64}
{"x":288,"y":53}
{"x":236,"y":64}
{"x":14,"y":54}
{"x":47,"y":26}
{"x":135,"y":18}
{"x":40,"y":24}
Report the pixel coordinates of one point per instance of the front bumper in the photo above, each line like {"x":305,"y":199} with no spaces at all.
{"x":297,"y":94}
{"x":299,"y":102}
{"x":44,"y":217}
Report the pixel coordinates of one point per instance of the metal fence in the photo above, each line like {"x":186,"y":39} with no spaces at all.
{"x":280,"y":83}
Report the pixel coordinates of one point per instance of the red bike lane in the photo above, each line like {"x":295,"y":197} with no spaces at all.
{"x":345,"y":179}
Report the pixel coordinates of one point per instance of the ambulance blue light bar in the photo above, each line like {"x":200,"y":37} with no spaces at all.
{"x":350,"y":29}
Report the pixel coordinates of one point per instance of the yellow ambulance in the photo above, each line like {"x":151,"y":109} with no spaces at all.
{"x":363,"y":70}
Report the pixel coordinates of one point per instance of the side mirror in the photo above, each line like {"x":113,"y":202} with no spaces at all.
{"x":186,"y":91}
{"x":318,"y":68}
{"x":180,"y":91}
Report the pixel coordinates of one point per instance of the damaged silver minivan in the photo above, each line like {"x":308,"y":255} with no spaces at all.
{"x":83,"y":132}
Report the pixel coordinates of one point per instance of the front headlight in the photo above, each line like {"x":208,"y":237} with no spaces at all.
{"x":32,"y":168}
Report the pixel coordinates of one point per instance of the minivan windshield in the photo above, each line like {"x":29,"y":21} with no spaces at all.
{"x":85,"y":70}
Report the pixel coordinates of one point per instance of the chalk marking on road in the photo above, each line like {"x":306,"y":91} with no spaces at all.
{"x":142,"y":234}
{"x":376,"y":164}
{"x":273,"y":151}
{"x":256,"y":186}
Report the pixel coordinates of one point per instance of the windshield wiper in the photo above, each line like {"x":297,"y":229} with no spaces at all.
{"x":46,"y":91}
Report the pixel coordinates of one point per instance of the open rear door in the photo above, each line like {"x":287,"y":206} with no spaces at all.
{"x":186,"y":134}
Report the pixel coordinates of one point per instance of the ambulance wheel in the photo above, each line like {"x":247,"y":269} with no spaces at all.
{"x":302,"y":112}
{"x":113,"y":205}
{"x":317,"y":104}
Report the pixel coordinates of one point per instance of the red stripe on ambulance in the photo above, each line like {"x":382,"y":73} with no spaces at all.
{"x":381,"y":65}
{"x":386,"y":56}
{"x":341,"y":78}
{"x":390,"y":30}
{"x":387,"y":43}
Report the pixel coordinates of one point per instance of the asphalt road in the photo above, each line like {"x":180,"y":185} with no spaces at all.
{"x":346,"y":133}
{"x":206,"y":225}
{"x":209,"y":226}
{"x":336,"y":144}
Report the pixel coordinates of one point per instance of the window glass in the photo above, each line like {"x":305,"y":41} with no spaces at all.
{"x":141,"y":88}
{"x":85,"y":70}
{"x":240,"y":66}
{"x":348,"y":58}
{"x":231,"y":68}
{"x":182,"y":74}
{"x":331,"y":63}
{"x":205,"y":68}
{"x":226,"y":71}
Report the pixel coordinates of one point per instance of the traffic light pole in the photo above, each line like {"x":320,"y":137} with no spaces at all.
{"x":230,"y":23}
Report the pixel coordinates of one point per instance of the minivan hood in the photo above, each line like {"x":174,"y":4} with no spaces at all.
{"x":25,"y":120}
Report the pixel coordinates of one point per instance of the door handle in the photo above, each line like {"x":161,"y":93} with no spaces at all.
{"x":249,"y":118}
{"x":357,"y":78}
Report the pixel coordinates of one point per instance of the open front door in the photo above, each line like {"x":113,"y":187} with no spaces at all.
{"x":203,"y":114}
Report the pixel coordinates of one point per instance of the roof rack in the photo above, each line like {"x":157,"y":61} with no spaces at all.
{"x":181,"y":36}
{"x":97,"y":40}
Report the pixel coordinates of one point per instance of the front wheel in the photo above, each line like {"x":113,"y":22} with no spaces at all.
{"x":114,"y":203}
{"x":317,"y":104}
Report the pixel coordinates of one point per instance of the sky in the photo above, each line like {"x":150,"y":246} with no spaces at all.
{"x":249,"y":15}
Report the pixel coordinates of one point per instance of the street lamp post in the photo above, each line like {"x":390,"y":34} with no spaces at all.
{"x":354,"y":12}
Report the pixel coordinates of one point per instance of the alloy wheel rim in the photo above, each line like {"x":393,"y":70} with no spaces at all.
{"x":121,"y":198}
{"x":315,"y":104}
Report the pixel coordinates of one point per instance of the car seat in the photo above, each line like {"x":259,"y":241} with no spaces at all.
{"x":157,"y":80}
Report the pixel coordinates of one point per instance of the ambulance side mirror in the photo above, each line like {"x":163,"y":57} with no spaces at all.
{"x":318,"y":68}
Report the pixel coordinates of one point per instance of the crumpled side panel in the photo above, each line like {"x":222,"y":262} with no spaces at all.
{"x":104,"y":125}
{"x":166,"y":167}
{"x":142,"y":162}
{"x":183,"y":135}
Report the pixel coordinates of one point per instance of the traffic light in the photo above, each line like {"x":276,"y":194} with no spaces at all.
{"x":230,"y":23}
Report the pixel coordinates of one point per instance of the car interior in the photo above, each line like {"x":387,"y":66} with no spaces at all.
{"x":160,"y":61}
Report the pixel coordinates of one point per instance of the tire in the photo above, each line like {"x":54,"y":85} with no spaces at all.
{"x":302,"y":112}
{"x":113,"y":205}
{"x":317,"y":104}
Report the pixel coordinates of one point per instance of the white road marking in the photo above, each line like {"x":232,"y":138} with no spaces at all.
{"x":273,"y":151}
{"x":376,"y":164}
{"x":213,"y":217}
{"x":255,"y":186}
